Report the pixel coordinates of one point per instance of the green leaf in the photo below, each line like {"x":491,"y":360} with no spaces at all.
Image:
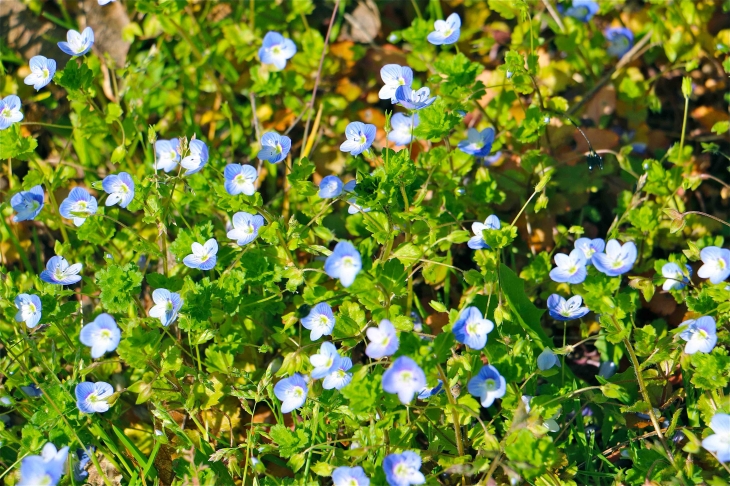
{"x":527,"y":314}
{"x":75,"y":76}
{"x":15,"y":146}
{"x":119,"y":285}
{"x":436,"y":121}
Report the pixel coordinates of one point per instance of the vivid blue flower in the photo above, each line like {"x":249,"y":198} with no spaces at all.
{"x":102,"y":335}
{"x":404,"y":378}
{"x":77,"y":44}
{"x":120,"y":189}
{"x":566,"y":310}
{"x":344,"y":263}
{"x":339,"y":378}
{"x":9,"y":111}
{"x":617,"y":260}
{"x":383,"y":340}
{"x":245,"y":227}
{"x":477,"y":143}
{"x":620,"y":40}
{"x":326,"y":361}
{"x":428,"y":392}
{"x":719,"y":442}
{"x":488,"y":385}
{"x":240,"y":179}
{"x":41,"y":72}
{"x":446,"y":32}
{"x":276,"y":50}
{"x":197,"y":157}
{"x":78,"y":206}
{"x":167,"y":305}
{"x":45,"y":469}
{"x":167,"y":154}
{"x":29,"y":309}
{"x":349,"y":476}
{"x":571,"y":269}
{"x":27,"y":204}
{"x":292,"y":392}
{"x":32,"y":390}
{"x":203,"y":256}
{"x":331,"y":186}
{"x":676,"y":277}
{"x":547,"y":359}
{"x":403,"y":469}
{"x":58,"y":271}
{"x":274,"y":147}
{"x":700,"y":334}
{"x":402,"y":129}
{"x":590,"y":247}
{"x":93,"y":397}
{"x":582,"y":10}
{"x":716,"y":264}
{"x":320,"y":321}
{"x":412,"y":99}
{"x":477,"y":241}
{"x":360,"y":137}
{"x":471,"y":328}
{"x":393,"y":76}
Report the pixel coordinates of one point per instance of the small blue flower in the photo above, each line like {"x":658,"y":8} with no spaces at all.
{"x":27,"y":204}
{"x":9,"y":111}
{"x":167,"y":154}
{"x":488,"y":385}
{"x":394,"y":75}
{"x":77,"y":44}
{"x":79,"y":469}
{"x":274,"y":147}
{"x":676,"y":278}
{"x":326,"y":361}
{"x":320,"y":321}
{"x":547,"y":360}
{"x":403,"y":469}
{"x":78,"y":206}
{"x":360,"y":137}
{"x":607,"y":369}
{"x":471,"y":328}
{"x":354,"y":208}
{"x":428,"y":392}
{"x":404,"y":378}
{"x":41,"y":72}
{"x":383,"y":340}
{"x":196,"y":158}
{"x":582,"y":10}
{"x":120,"y":189}
{"x":412,"y":99}
{"x":58,"y":271}
{"x":204,"y":256}
{"x":331,"y":186}
{"x":446,"y":32}
{"x":102,"y":335}
{"x":92,"y":397}
{"x":240,"y":179}
{"x":617,"y":260}
{"x":349,"y":476}
{"x":590,"y":247}
{"x":719,"y":442}
{"x":32,"y":390}
{"x":29,"y":309}
{"x":245,"y":227}
{"x":570,"y":269}
{"x":700,"y":334}
{"x":339,"y":378}
{"x":620,"y":40}
{"x":402,"y":129}
{"x":45,"y":469}
{"x":344,"y":263}
{"x":276,"y":50}
{"x":167,"y":305}
{"x":477,"y":241}
{"x":716,"y":264}
{"x":563,"y":310}
{"x":477,"y":143}
{"x":292,"y":392}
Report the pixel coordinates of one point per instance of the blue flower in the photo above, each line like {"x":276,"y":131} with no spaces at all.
{"x":488,"y":385}
{"x":245,"y":227}
{"x":394,"y":75}
{"x":276,"y":50}
{"x":29,"y":309}
{"x":204,"y":256}
{"x":676,"y":278}
{"x":563,"y":310}
{"x":292,"y":392}
{"x":79,"y":469}
{"x":403,"y":469}
{"x":78,"y":206}
{"x":41,"y":72}
{"x":617,"y":260}
{"x":471,"y":328}
{"x":45,"y":469}
{"x":402,"y":128}
{"x":582,"y":10}
{"x":326,"y":361}
{"x":167,"y":154}
{"x":344,"y":263}
{"x":120,"y":189}
{"x":410,"y":99}
{"x":339,"y":378}
{"x":428,"y":392}
{"x":477,"y":241}
{"x":92,"y":397}
{"x":349,"y":476}
{"x":9,"y":111}
{"x":404,"y":378}
{"x":240,"y":179}
{"x":620,"y":40}
{"x":590,"y":247}
{"x":446,"y":32}
{"x":719,"y":442}
{"x":27,"y":204}
{"x":700,"y":334}
{"x":58,"y":271}
{"x":354,"y":208}
{"x":716,"y":264}
{"x":360,"y":137}
{"x":78,"y":44}
{"x":274,"y":147}
{"x":547,"y":359}
{"x":607,"y":369}
{"x":102,"y":335}
{"x":490,"y":160}
{"x":197,"y":157}
{"x":383,"y":340}
{"x":320,"y":321}
{"x":167,"y":305}
{"x":331,"y":186}
{"x":32,"y":390}
{"x":477,"y":143}
{"x":571,"y":269}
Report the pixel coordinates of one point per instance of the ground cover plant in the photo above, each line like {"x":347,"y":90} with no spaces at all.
{"x":356,"y":242}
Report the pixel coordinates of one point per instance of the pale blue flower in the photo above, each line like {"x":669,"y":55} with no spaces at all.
{"x":566,"y":310}
{"x":29,"y":309}
{"x":719,"y":442}
{"x":344,"y":263}
{"x":276,"y":50}
{"x":197,"y":157}
{"x":590,"y":247}
{"x":120,"y":189}
{"x":78,"y":44}
{"x":42,"y":70}
{"x":471,"y":328}
{"x":203,"y":256}
{"x":32,"y":390}
{"x":404,"y":378}
{"x":349,"y":476}
{"x":676,"y":277}
{"x":339,"y":378}
{"x":27,"y":204}
{"x":274,"y":147}
{"x":102,"y":335}
{"x":428,"y":392}
{"x":320,"y":321}
{"x":446,"y":31}
{"x":488,"y":385}
{"x":383,"y":340}
{"x":292,"y":392}
{"x":477,"y":241}
{"x":326,"y":361}
{"x":547,"y":359}
{"x":620,"y":40}
{"x":331,"y":186}
{"x":245,"y":227}
{"x":412,"y":99}
{"x":78,"y":206}
{"x":354,"y":208}
{"x":478,"y":144}
{"x":92,"y":397}
{"x":240,"y":179}
{"x":716,"y":264}
{"x":45,"y":469}
{"x":58,"y":271}
{"x":402,"y":128}
{"x":582,"y":10}
{"x":360,"y":137}
{"x":393,"y":76}
{"x":167,"y":154}
{"x":167,"y":305}
{"x":570,"y":269}
{"x":403,"y":469}
{"x":9,"y":111}
{"x":700,"y":334}
{"x":79,"y":468}
{"x":607,"y":369}
{"x":617,"y":260}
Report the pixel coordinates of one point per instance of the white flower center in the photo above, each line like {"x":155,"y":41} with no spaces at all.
{"x":169,"y":306}
{"x":490,"y":384}
{"x":347,"y":262}
{"x":173,"y":154}
{"x":324,"y":320}
{"x":5,"y":113}
{"x":406,"y":376}
{"x":106,"y":334}
{"x":46,"y":73}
